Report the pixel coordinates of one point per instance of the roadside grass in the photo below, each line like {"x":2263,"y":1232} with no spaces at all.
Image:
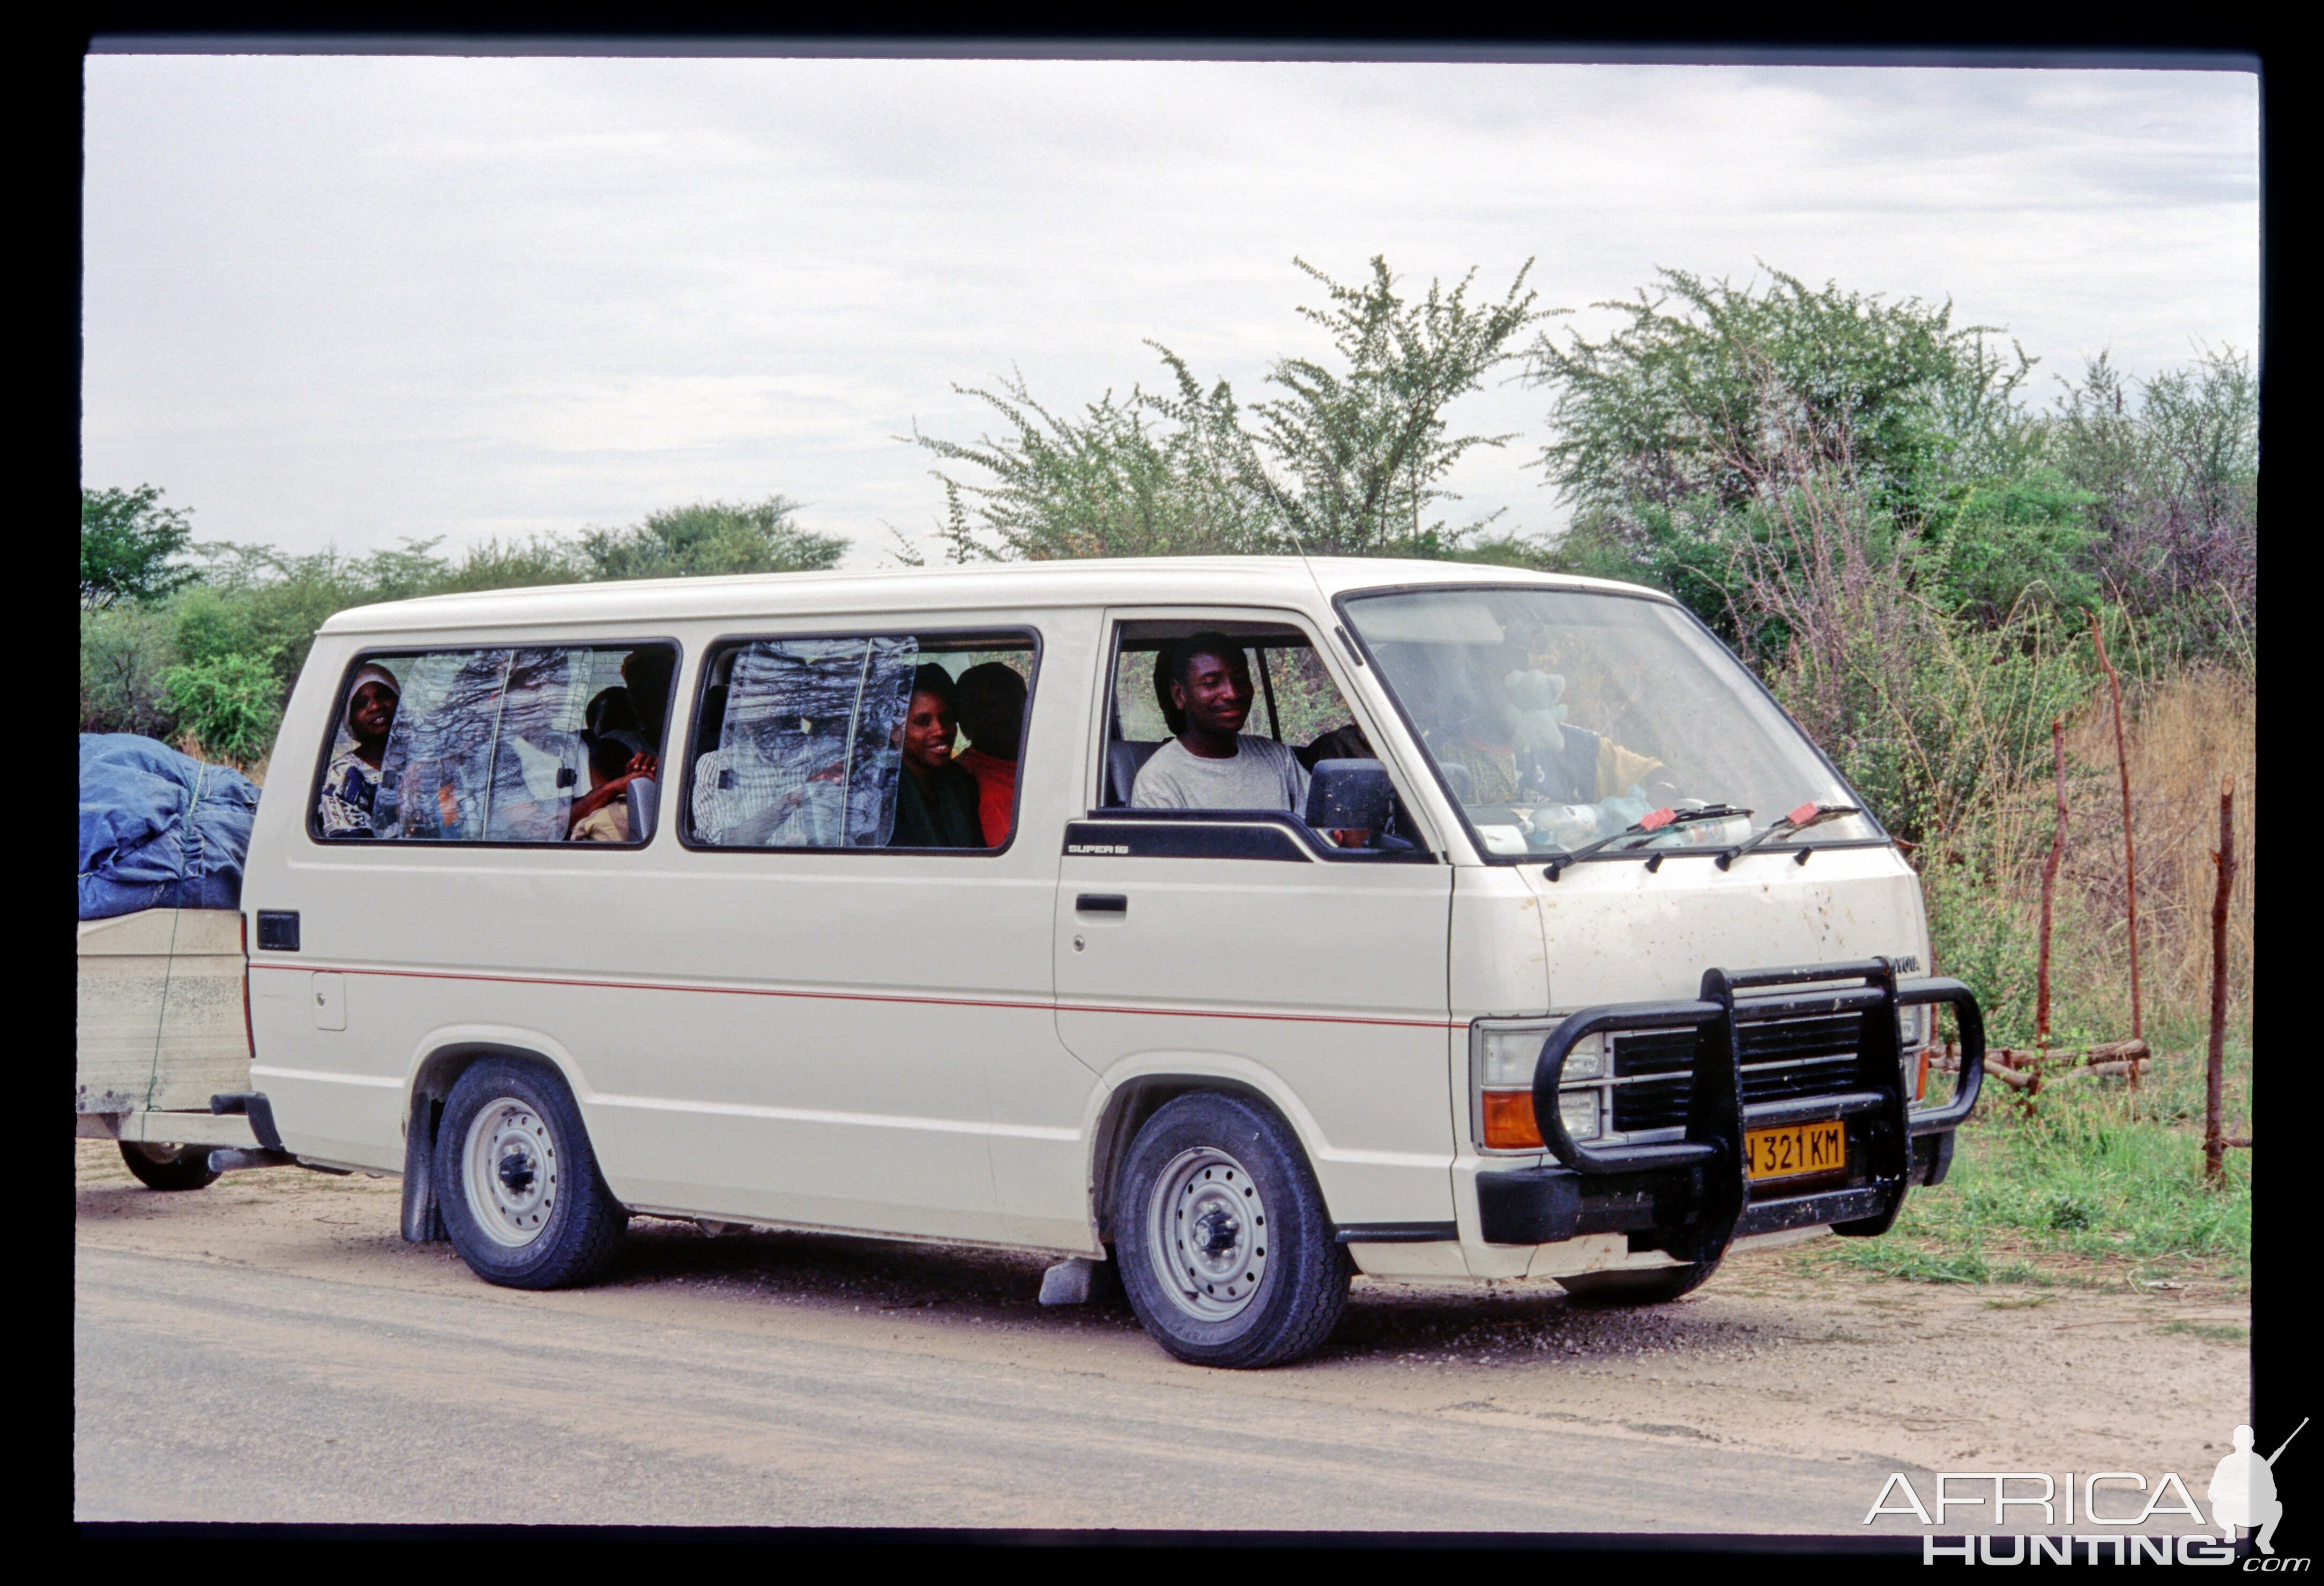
{"x":2091,"y":1186}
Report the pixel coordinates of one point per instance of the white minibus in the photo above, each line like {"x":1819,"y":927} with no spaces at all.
{"x":1249,"y":924}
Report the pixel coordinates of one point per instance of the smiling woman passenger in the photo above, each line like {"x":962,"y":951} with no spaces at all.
{"x":936,"y":801}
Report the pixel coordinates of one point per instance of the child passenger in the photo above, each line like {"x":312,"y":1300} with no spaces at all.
{"x":604,"y":815}
{"x":990,"y":700}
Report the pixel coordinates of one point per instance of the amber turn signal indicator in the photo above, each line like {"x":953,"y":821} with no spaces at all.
{"x":1509,"y":1122}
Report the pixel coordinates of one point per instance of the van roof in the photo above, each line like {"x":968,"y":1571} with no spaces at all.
{"x":1278,"y":581}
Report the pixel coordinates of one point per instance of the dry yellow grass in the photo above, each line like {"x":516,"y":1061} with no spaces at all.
{"x":2186,"y":735}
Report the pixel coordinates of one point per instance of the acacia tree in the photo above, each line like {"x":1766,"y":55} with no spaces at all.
{"x":1353,"y":460}
{"x":1686,"y":436}
{"x":710,"y":537}
{"x":1698,"y":400}
{"x":2171,"y":467}
{"x":1350,"y":460}
{"x":1147,"y":476}
{"x":127,"y":538}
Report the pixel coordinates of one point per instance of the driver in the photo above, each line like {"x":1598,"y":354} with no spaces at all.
{"x":1511,"y":736}
{"x":1212,"y":763}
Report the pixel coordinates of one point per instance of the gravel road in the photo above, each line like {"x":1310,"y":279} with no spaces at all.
{"x":268,"y":1350}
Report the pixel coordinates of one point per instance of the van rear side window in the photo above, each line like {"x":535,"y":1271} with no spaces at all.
{"x":542,"y":744}
{"x":879,"y":741}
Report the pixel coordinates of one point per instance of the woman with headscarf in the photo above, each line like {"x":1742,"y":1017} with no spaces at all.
{"x":350,"y":782}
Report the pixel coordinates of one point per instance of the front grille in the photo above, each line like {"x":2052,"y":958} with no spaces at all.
{"x":1791,"y":1058}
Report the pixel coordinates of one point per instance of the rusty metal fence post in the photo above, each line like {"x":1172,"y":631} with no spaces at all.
{"x":2214,"y":1145}
{"x":2129,"y":844}
{"x":2049,"y":891}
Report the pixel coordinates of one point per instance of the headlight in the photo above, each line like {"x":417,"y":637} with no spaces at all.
{"x":1506,"y":1061}
{"x":1912,"y":1028}
{"x":1509,"y":1057}
{"x":1915,"y":1028}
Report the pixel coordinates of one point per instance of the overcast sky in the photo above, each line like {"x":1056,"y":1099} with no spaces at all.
{"x":342,"y":300}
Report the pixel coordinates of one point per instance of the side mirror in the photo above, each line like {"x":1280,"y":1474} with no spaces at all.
{"x":1348,"y":795}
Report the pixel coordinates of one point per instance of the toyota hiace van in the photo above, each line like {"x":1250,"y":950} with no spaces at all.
{"x":1561,"y":955}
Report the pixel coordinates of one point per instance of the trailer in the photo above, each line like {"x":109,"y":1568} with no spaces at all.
{"x":162,"y":1047}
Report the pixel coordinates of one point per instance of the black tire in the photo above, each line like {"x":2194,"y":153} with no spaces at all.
{"x":1656,"y":1285}
{"x":168,"y":1167}
{"x":1297,"y":1277}
{"x":549,"y":1221}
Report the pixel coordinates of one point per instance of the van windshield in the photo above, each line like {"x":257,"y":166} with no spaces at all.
{"x":1558,"y":718}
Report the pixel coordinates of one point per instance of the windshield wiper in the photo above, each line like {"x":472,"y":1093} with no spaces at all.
{"x":1650,"y":826}
{"x":1798,"y":820}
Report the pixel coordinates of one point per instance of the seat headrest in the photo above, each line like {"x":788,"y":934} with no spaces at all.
{"x":643,"y":800}
{"x":1124,"y":758}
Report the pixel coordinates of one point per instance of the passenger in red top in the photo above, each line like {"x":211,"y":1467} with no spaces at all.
{"x":990,"y":702}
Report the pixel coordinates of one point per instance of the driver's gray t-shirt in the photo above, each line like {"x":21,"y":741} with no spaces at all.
{"x":1261,"y":774}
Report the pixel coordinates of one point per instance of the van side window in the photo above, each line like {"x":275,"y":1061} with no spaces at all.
{"x":497,"y":745}
{"x":1226,"y":721}
{"x":804,"y":757}
{"x":1289,"y":700}
{"x":860,"y":743}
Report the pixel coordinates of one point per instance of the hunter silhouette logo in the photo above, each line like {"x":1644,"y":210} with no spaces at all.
{"x":2243,"y":1488}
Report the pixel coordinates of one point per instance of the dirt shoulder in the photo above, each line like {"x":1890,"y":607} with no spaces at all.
{"x":1780,"y":1353}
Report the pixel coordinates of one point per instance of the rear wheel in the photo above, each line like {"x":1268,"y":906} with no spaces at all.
{"x":1655,"y":1286}
{"x":521,"y":1196}
{"x":168,"y":1167}
{"x":1226,"y":1253}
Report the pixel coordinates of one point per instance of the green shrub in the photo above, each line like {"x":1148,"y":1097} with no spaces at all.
{"x":229,"y":705}
{"x":124,"y":651}
{"x":208,"y":622}
{"x":1349,"y":458}
{"x":1993,"y":546}
{"x":1980,"y":938}
{"x":1934,"y":719}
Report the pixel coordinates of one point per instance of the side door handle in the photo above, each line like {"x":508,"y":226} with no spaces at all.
{"x":1102,"y":903}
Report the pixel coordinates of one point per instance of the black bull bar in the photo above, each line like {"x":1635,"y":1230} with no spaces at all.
{"x":1696,"y":1192}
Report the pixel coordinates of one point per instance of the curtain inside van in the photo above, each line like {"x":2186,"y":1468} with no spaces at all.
{"x":539,"y":763}
{"x":812,"y":746}
{"x":485,"y":747}
{"x":435,"y":774}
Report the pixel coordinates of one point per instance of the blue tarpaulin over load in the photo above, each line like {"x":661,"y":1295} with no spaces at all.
{"x":158,"y":829}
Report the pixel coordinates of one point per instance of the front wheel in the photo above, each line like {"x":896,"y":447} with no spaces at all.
{"x":522,"y":1200}
{"x":1655,"y":1286}
{"x":168,"y":1167}
{"x":1226,"y":1251}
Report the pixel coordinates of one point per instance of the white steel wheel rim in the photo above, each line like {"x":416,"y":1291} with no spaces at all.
{"x":510,"y":1158}
{"x":1206,"y":1233}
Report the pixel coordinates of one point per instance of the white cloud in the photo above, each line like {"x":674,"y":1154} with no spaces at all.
{"x":350,"y":299}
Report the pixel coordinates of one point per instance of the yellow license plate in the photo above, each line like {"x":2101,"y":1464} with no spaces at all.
{"x":1787,"y":1153}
